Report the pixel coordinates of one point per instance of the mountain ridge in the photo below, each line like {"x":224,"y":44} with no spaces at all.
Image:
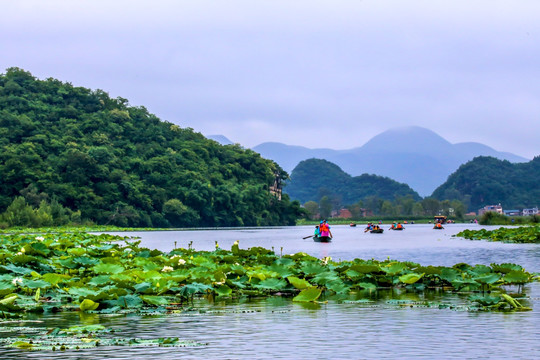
{"x":413,"y":155}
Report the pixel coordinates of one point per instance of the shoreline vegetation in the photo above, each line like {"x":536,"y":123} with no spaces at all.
{"x":515,"y":235}
{"x":109,"y":273}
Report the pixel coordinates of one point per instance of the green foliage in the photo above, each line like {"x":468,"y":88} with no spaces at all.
{"x":78,"y":155}
{"x":486,"y":180}
{"x":314,"y":178}
{"x":522,"y":234}
{"x":104,"y":274}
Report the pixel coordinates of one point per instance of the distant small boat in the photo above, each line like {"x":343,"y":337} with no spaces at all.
{"x":401,"y":228}
{"x":438,"y":228}
{"x":352,"y":225}
{"x":376,"y":231}
{"x":322,"y":238}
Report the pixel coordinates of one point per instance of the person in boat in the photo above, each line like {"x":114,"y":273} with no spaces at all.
{"x":393,"y":226}
{"x":438,"y":225}
{"x":368,"y":227}
{"x":317,"y":232}
{"x":399,"y":226}
{"x":324,"y":228}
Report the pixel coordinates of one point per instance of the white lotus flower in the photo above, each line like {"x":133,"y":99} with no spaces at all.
{"x":40,"y":238}
{"x":17,"y":281}
{"x":167,"y":269}
{"x":181,"y":262}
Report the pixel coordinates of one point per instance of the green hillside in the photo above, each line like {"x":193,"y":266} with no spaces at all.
{"x":487,"y":181}
{"x":70,"y":147}
{"x":314,"y":178}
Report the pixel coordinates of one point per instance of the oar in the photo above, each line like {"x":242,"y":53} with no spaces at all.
{"x":308,"y":236}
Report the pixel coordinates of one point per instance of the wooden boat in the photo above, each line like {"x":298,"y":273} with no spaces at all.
{"x":376,"y":231}
{"x":352,"y":225}
{"x":322,"y":238}
{"x":402,"y":228}
{"x":438,"y":228}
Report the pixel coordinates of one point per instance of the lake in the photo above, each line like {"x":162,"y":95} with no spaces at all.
{"x":277,"y":328}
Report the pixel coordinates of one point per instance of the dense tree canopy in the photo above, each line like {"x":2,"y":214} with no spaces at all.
{"x":486,"y":181}
{"x":120,"y":165}
{"x":313,"y":179}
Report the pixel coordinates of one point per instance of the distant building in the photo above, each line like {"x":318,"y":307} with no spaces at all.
{"x":472,"y":213}
{"x":275,"y":189}
{"x":494,"y":208}
{"x":512,"y":212}
{"x":530,"y":212}
{"x":344,"y":214}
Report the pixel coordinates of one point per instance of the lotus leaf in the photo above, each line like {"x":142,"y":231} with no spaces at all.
{"x":237,"y":269}
{"x":272,"y":284}
{"x":428,"y":270}
{"x":308,"y":295}
{"x":85,"y":260}
{"x":312,"y":268}
{"x":194,"y":288}
{"x":9,"y":299}
{"x":326,"y":277}
{"x":129,"y":301}
{"x":23,"y":259}
{"x":298,"y":283}
{"x":35,"y":284}
{"x":410,"y":278}
{"x":285,"y":261}
{"x":365,"y":269}
{"x":68,"y":263}
{"x":282,"y":271}
{"x":450,"y":274}
{"x":82,"y":292}
{"x":487,"y":278}
{"x":155,"y":300}
{"x":516,"y":277}
{"x":239,"y":283}
{"x":16,"y":269}
{"x":108,"y":268}
{"x":480,"y":269}
{"x":100,"y":280}
{"x":6,"y":287}
{"x":148,"y":275}
{"x":142,"y":287}
{"x":338,"y":287}
{"x":88,"y":304}
{"x":485,"y":300}
{"x":367,"y":286}
{"x":77,"y":251}
{"x":22,"y":345}
{"x":394,"y":268}
{"x":224,"y":290}
{"x":219,"y":276}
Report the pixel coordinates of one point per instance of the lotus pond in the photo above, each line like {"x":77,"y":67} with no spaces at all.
{"x":417,"y":293}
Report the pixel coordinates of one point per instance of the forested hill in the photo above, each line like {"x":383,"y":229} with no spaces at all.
{"x":489,"y":181}
{"x":314,"y":178}
{"x":121,"y":165}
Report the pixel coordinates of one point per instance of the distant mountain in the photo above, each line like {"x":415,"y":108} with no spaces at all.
{"x":487,"y":181}
{"x":220,"y":139}
{"x":413,"y":155}
{"x":314,"y":178}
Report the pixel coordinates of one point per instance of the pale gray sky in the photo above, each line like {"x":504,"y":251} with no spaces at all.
{"x":312,"y":73}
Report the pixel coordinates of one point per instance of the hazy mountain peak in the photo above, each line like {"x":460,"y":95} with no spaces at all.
{"x":409,"y":139}
{"x":220,"y":139}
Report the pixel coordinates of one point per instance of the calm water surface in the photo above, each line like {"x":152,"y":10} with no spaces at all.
{"x":276,"y":328}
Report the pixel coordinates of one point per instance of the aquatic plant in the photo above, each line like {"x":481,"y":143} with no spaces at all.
{"x":522,"y":234}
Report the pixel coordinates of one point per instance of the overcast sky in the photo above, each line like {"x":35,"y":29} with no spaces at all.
{"x":312,"y":73}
